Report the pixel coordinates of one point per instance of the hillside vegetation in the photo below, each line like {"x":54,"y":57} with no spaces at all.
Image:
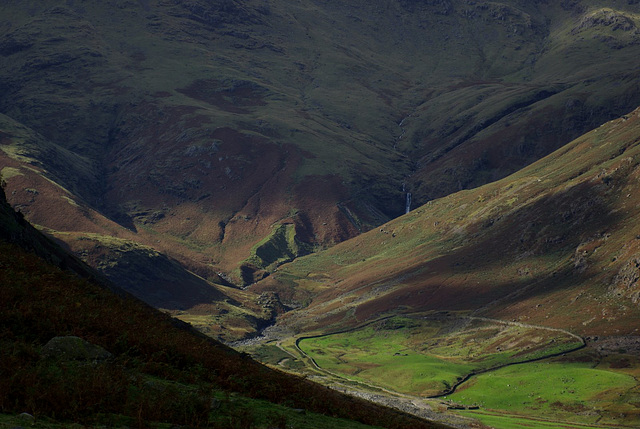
{"x":75,"y":352}
{"x":202,"y":131}
{"x":242,"y":164}
{"x":550,"y":250}
{"x":554,"y":244}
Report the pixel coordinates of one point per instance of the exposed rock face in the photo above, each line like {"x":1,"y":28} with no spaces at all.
{"x":607,"y":18}
{"x":625,"y":283}
{"x":74,"y":349}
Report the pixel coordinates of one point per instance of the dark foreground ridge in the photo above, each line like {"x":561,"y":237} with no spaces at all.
{"x":151,"y":369}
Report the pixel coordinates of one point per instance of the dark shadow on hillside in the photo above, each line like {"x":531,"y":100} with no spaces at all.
{"x":149,"y":276}
{"x":553,"y":225}
{"x":158,"y":280}
{"x":15,"y":229}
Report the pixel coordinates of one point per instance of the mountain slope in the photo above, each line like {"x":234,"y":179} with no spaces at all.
{"x":555,"y":244}
{"x":234,"y":136}
{"x":154,"y":369}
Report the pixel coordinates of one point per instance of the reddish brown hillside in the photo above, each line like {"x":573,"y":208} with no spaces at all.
{"x":158,"y":369}
{"x":234,"y":136}
{"x":556,"y":244}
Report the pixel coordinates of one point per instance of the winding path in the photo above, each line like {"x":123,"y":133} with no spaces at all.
{"x":521,"y":325}
{"x":414,"y":404}
{"x":463,"y":380}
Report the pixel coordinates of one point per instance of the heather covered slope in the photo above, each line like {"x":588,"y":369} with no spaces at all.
{"x":231,"y":137}
{"x":518,"y":298}
{"x":555,"y":244}
{"x":152,"y":369}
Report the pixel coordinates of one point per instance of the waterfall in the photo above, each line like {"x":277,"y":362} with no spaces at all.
{"x":408,"y":204}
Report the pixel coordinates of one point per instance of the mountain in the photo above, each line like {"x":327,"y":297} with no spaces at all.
{"x":554,"y":244}
{"x":243,"y":164}
{"x":76,"y":352}
{"x":231,"y":137}
{"x":517,"y":299}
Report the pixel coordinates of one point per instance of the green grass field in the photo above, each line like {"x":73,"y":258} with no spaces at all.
{"x":566,"y":391}
{"x":424,"y":357}
{"x":504,"y":421}
{"x":384,"y":361}
{"x":427,"y":357}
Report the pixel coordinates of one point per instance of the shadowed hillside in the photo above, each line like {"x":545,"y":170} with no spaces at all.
{"x":235,"y":136}
{"x":554,"y":244}
{"x":240,"y":164}
{"x":514,"y":302}
{"x":75,"y":352}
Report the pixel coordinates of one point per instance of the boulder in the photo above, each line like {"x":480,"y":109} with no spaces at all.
{"x":72,"y":348}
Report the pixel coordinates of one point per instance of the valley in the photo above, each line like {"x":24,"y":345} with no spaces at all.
{"x":516,"y":260}
{"x":556,"y":383}
{"x":430,"y":204}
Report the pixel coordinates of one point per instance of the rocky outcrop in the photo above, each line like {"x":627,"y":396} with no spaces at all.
{"x":625,"y":283}
{"x":607,"y":18}
{"x":73,"y":349}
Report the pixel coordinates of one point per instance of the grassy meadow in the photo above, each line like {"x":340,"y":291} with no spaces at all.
{"x":579,"y":389}
{"x":510,"y":388}
{"x":505,"y":421}
{"x":427,"y":357}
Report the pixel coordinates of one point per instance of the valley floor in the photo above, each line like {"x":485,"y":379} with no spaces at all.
{"x":468,"y":371}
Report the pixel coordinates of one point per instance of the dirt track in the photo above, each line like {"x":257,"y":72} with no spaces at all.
{"x":422,"y":407}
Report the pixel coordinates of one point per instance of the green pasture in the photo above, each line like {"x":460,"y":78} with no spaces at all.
{"x":382,"y":358}
{"x":427,"y":357}
{"x":388,"y":365}
{"x":505,"y":421}
{"x":555,"y":390}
